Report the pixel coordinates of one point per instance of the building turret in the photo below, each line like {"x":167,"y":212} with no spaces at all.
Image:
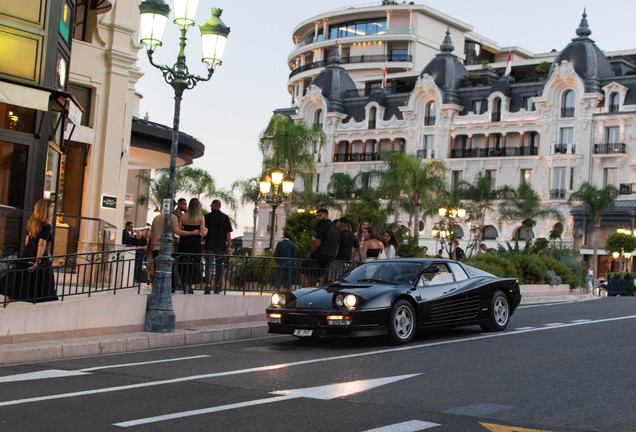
{"x":334,"y":82}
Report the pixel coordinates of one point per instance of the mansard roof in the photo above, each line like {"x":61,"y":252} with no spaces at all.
{"x":334,"y":81}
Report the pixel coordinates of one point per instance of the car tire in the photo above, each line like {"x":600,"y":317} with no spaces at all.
{"x":498,"y":313}
{"x":402,"y":322}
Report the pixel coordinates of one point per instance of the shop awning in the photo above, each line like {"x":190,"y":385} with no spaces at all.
{"x":13,"y":94}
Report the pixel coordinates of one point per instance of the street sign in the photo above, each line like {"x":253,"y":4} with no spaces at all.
{"x":167,"y":206}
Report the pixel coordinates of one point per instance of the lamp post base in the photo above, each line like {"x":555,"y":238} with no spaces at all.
{"x":160,"y":317}
{"x":160,"y":321}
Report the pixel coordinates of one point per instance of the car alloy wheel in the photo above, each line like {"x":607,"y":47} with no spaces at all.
{"x":498,"y":313}
{"x":402,"y":322}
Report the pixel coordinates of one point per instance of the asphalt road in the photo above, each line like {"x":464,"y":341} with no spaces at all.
{"x":557,"y":367}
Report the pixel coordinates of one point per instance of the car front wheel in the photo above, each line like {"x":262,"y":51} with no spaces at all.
{"x":401,"y":322}
{"x":498,"y":313}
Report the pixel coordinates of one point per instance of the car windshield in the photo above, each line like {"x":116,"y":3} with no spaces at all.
{"x":397,"y":273}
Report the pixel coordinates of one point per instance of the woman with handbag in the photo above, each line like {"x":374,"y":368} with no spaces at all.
{"x":372,"y":248}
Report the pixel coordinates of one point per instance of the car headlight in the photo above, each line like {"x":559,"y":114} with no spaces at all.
{"x":339,"y":300}
{"x":350,"y":300}
{"x":276,"y":299}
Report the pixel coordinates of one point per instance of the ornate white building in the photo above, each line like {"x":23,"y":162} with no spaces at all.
{"x":554,"y":129}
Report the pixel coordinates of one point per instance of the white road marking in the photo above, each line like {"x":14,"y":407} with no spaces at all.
{"x":553,"y":324}
{"x":143,"y":363}
{"x":409,"y":426}
{"x":57,"y":373}
{"x":581,"y":321}
{"x":327,"y":392}
{"x":51,"y":373}
{"x":552,"y":304}
{"x":523,"y":328}
{"x":299,"y":363}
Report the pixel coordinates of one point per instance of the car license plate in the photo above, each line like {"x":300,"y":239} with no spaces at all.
{"x":303,"y":333}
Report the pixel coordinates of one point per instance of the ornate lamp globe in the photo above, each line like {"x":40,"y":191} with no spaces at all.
{"x":184,"y":12}
{"x":442,"y":212}
{"x":288,"y":184}
{"x":265,"y":184}
{"x":213,"y":39}
{"x":277,"y":175}
{"x":154,"y":17}
{"x":461,"y":212}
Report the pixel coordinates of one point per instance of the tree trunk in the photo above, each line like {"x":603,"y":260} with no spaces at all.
{"x":416,"y":219}
{"x":398,"y":200}
{"x":597,"y":225}
{"x":528,"y":237}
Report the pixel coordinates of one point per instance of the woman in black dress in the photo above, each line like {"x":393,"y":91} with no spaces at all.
{"x":190,"y":265}
{"x":32,"y":279}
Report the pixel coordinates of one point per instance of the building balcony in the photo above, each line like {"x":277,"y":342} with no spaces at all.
{"x":567,"y":112}
{"x":355,"y":157}
{"x":425,"y":153}
{"x":609,"y":148}
{"x":613,"y":108}
{"x":494,"y":152}
{"x":429,"y":120}
{"x":557,"y":194}
{"x":322,"y":38}
{"x":625,"y":189}
{"x":496,"y":116}
{"x":567,"y":148}
{"x":381,"y":58}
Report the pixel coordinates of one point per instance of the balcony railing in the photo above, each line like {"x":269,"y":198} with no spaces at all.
{"x":567,"y":148}
{"x":425,"y":153}
{"x":502,"y":152}
{"x":429,"y":120}
{"x":567,"y":112}
{"x":557,"y":193}
{"x":355,"y":157}
{"x":625,"y":189}
{"x":380,"y":58}
{"x":609,"y":148}
{"x":391,"y":30}
{"x":613,"y":108}
{"x":496,"y":116}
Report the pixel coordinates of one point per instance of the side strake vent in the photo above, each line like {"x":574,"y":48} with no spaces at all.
{"x":456,"y":309}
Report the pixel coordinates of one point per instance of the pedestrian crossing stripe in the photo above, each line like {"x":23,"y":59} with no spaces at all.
{"x":502,"y":428}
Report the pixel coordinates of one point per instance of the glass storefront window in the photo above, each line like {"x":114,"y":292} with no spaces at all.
{"x":17,"y":118}
{"x":13,"y":164}
{"x":52,"y":170}
{"x":358,"y":28}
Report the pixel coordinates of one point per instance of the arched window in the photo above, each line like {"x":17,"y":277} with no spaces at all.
{"x":318,"y":118}
{"x":520,"y":234}
{"x":496,"y":110}
{"x":615,"y":101}
{"x":431,"y":113}
{"x":421,"y":225}
{"x":489,"y":233}
{"x":372,"y":115}
{"x":568,"y":104}
{"x":458,"y":231}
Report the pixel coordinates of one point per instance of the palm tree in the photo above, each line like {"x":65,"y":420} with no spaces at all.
{"x":393,"y":179}
{"x":406,"y":205}
{"x":598,"y":201}
{"x":343,"y":187}
{"x":250,"y":195}
{"x":524,"y":204}
{"x":201,"y":184}
{"x":309,"y":199}
{"x":158,"y":186}
{"x":425,"y":180}
{"x":481,"y":195}
{"x":289,"y":143}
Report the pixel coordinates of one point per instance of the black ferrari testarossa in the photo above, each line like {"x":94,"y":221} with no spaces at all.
{"x":398,"y":298}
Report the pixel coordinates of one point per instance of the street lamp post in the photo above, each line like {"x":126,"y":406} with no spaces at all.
{"x":275,"y":199}
{"x":448,"y":218}
{"x":160,"y":316}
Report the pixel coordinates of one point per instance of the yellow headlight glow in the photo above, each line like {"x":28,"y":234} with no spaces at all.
{"x":275,"y":299}
{"x":350,"y":300}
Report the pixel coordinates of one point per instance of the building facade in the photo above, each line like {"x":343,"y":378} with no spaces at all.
{"x":571,"y":120}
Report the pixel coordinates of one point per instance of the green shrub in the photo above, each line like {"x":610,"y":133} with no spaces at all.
{"x":530,"y":269}
{"x":493,"y":264}
{"x":241,"y":251}
{"x":562,"y":270}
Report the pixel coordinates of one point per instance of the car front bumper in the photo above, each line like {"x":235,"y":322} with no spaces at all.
{"x":363,"y":323}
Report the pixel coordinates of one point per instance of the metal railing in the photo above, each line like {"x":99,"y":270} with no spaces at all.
{"x":252,"y":274}
{"x":425,"y":153}
{"x":625,"y":189}
{"x":557,"y":193}
{"x":355,"y":157}
{"x":494,"y":152}
{"x":429,"y":120}
{"x":609,"y":148}
{"x":567,"y":112}
{"x":56,"y":277}
{"x":567,"y":148}
{"x":380,"y":58}
{"x":613,"y":108}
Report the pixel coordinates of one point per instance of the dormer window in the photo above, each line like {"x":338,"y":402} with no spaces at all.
{"x":318,"y":118}
{"x":567,"y":109}
{"x":496,"y":110}
{"x":614,"y":102}
{"x":372,"y":115}
{"x":528,"y":105}
{"x":430,"y":117}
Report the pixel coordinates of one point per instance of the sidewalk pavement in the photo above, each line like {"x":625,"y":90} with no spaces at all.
{"x":127,"y":342}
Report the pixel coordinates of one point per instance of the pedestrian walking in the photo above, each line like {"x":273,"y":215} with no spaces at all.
{"x":218,"y":242}
{"x":323,"y":249}
{"x":391,"y":244}
{"x":458,"y":253}
{"x":32,"y":279}
{"x":284,"y":254}
{"x":127,"y":233}
{"x":372,"y":246}
{"x":348,"y":242}
{"x":139,"y":242}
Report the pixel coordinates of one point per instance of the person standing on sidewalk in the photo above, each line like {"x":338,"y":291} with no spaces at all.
{"x":323,"y":249}
{"x":218,"y":242}
{"x":285,"y":254}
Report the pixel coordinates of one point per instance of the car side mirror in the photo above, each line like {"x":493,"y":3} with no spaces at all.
{"x":432,"y":269}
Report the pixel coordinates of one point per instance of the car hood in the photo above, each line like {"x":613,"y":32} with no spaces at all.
{"x":322,"y":298}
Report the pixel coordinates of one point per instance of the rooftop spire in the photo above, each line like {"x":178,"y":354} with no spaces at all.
{"x":335,"y":58}
{"x":584,"y":29}
{"x":447,"y":46}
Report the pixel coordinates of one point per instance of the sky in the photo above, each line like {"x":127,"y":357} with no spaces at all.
{"x":228,"y":113}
